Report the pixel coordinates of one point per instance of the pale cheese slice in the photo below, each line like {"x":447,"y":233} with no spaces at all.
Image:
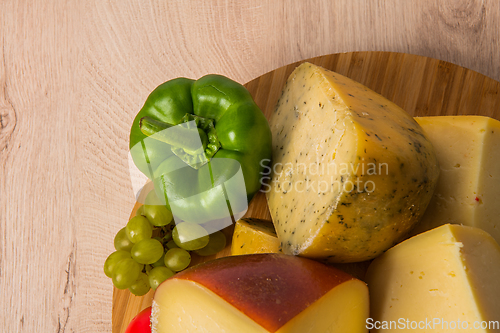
{"x":468,"y":189}
{"x":443,"y":276}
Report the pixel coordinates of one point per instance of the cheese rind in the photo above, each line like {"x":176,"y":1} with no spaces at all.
{"x":449,"y":273}
{"x":261,"y":293}
{"x":254,"y":236}
{"x":352,"y":172}
{"x":467,"y":192}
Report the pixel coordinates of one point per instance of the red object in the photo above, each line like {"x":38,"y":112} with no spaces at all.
{"x":477,"y":199}
{"x":141,"y":323}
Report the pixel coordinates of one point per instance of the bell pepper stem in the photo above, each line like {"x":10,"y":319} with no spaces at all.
{"x":184,"y":141}
{"x":176,"y":136}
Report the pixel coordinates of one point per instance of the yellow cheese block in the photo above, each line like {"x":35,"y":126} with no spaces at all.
{"x":437,"y":280}
{"x":468,"y":189}
{"x":352,"y":172}
{"x":261,"y":293}
{"x":254,"y":236}
{"x":258,"y":236}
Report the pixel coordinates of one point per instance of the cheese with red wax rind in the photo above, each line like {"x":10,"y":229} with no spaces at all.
{"x":261,"y":293}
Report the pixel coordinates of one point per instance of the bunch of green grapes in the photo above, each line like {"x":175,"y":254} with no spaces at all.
{"x":150,"y":249}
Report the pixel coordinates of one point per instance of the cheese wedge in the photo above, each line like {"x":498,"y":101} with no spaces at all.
{"x":352,"y":172}
{"x":261,"y":293}
{"x":254,"y":236}
{"x":468,"y":189}
{"x":439,"y":279}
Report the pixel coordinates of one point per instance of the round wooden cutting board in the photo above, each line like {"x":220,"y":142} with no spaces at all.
{"x":420,"y":85}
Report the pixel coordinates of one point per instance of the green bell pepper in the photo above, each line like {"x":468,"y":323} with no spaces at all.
{"x":192,"y":137}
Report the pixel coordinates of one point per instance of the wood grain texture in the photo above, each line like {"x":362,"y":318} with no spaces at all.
{"x":420,"y":85}
{"x":74,"y":73}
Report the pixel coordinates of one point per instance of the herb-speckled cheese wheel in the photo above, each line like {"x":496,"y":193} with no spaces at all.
{"x":352,"y":172}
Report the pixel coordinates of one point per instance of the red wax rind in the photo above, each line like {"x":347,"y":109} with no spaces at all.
{"x":270,"y":289}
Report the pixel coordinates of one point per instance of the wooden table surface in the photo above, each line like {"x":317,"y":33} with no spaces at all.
{"x":74,"y":73}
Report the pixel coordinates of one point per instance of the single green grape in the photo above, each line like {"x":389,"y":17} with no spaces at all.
{"x":216,"y":243}
{"x":177,"y":259}
{"x":158,"y":216}
{"x":138,"y":228}
{"x":122,"y":242}
{"x":158,"y":275}
{"x":159,"y":262}
{"x":190,"y":236}
{"x":140,"y":211}
{"x":113,"y":259}
{"x":171,"y":244}
{"x":141,"y":286}
{"x":147,"y":251}
{"x":126,"y":272}
{"x":157,"y":213}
